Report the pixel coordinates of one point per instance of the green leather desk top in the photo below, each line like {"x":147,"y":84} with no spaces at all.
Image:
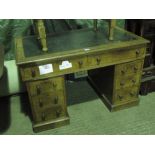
{"x":73,"y":43}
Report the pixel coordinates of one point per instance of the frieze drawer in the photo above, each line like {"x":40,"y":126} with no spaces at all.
{"x":44,"y":86}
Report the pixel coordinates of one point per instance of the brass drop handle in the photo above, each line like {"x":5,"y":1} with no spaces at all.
{"x":120,"y":97}
{"x":43,"y":116}
{"x":98,"y":60}
{"x":123,"y":71}
{"x":56,"y":100}
{"x":58,"y":112}
{"x":40,"y":103}
{"x":54,"y":84}
{"x":137,"y":52}
{"x":132,"y":93}
{"x":38,"y":90}
{"x":135,"y":68}
{"x":133,"y":81}
{"x":80,"y":63}
{"x":122,"y":83}
{"x":33,"y":73}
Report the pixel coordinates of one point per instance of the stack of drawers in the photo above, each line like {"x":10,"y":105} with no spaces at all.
{"x":48,"y":102}
{"x":127,"y":81}
{"x":118,"y":85}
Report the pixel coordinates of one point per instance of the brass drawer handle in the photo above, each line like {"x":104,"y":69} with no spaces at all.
{"x":98,"y":60}
{"x":33,"y":73}
{"x":43,"y":116}
{"x":38,"y":90}
{"x":54,"y":84}
{"x":137,"y":52}
{"x":58,"y":112}
{"x":120,"y":97}
{"x":40,"y":103}
{"x":135,"y":68}
{"x":123,"y":72}
{"x":133,"y":81}
{"x":122,"y":83}
{"x":56,"y":100}
{"x":132,"y":94}
{"x":80,"y":63}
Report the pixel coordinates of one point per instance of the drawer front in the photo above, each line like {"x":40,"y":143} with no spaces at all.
{"x":58,"y":67}
{"x":129,"y":81}
{"x":128,"y":94}
{"x":44,"y":86}
{"x":114,"y":57}
{"x":48,"y":100}
{"x":49,"y":114}
{"x":49,"y":106}
{"x":129,"y":68}
{"x":76,"y":65}
{"x":71,"y":65}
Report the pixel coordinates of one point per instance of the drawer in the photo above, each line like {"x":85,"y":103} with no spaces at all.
{"x":115,"y":57}
{"x":130,"y":80}
{"x":70,"y":65}
{"x":47,"y":85}
{"x":49,"y":114}
{"x":127,"y":94}
{"x":58,"y":67}
{"x":48,"y":100}
{"x":129,"y":68}
{"x":33,"y":72}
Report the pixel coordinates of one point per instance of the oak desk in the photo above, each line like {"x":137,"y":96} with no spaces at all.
{"x":114,"y":68}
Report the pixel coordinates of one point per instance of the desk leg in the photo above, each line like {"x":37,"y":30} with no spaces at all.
{"x":48,"y":103}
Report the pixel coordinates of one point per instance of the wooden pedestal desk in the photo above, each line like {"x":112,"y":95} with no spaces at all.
{"x":114,"y":68}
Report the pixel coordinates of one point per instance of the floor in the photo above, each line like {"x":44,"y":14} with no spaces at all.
{"x":88,"y":115}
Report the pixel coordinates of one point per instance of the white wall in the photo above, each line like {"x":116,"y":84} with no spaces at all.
{"x":11,"y":82}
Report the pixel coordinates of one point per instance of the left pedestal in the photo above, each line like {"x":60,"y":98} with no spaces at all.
{"x":48,"y":103}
